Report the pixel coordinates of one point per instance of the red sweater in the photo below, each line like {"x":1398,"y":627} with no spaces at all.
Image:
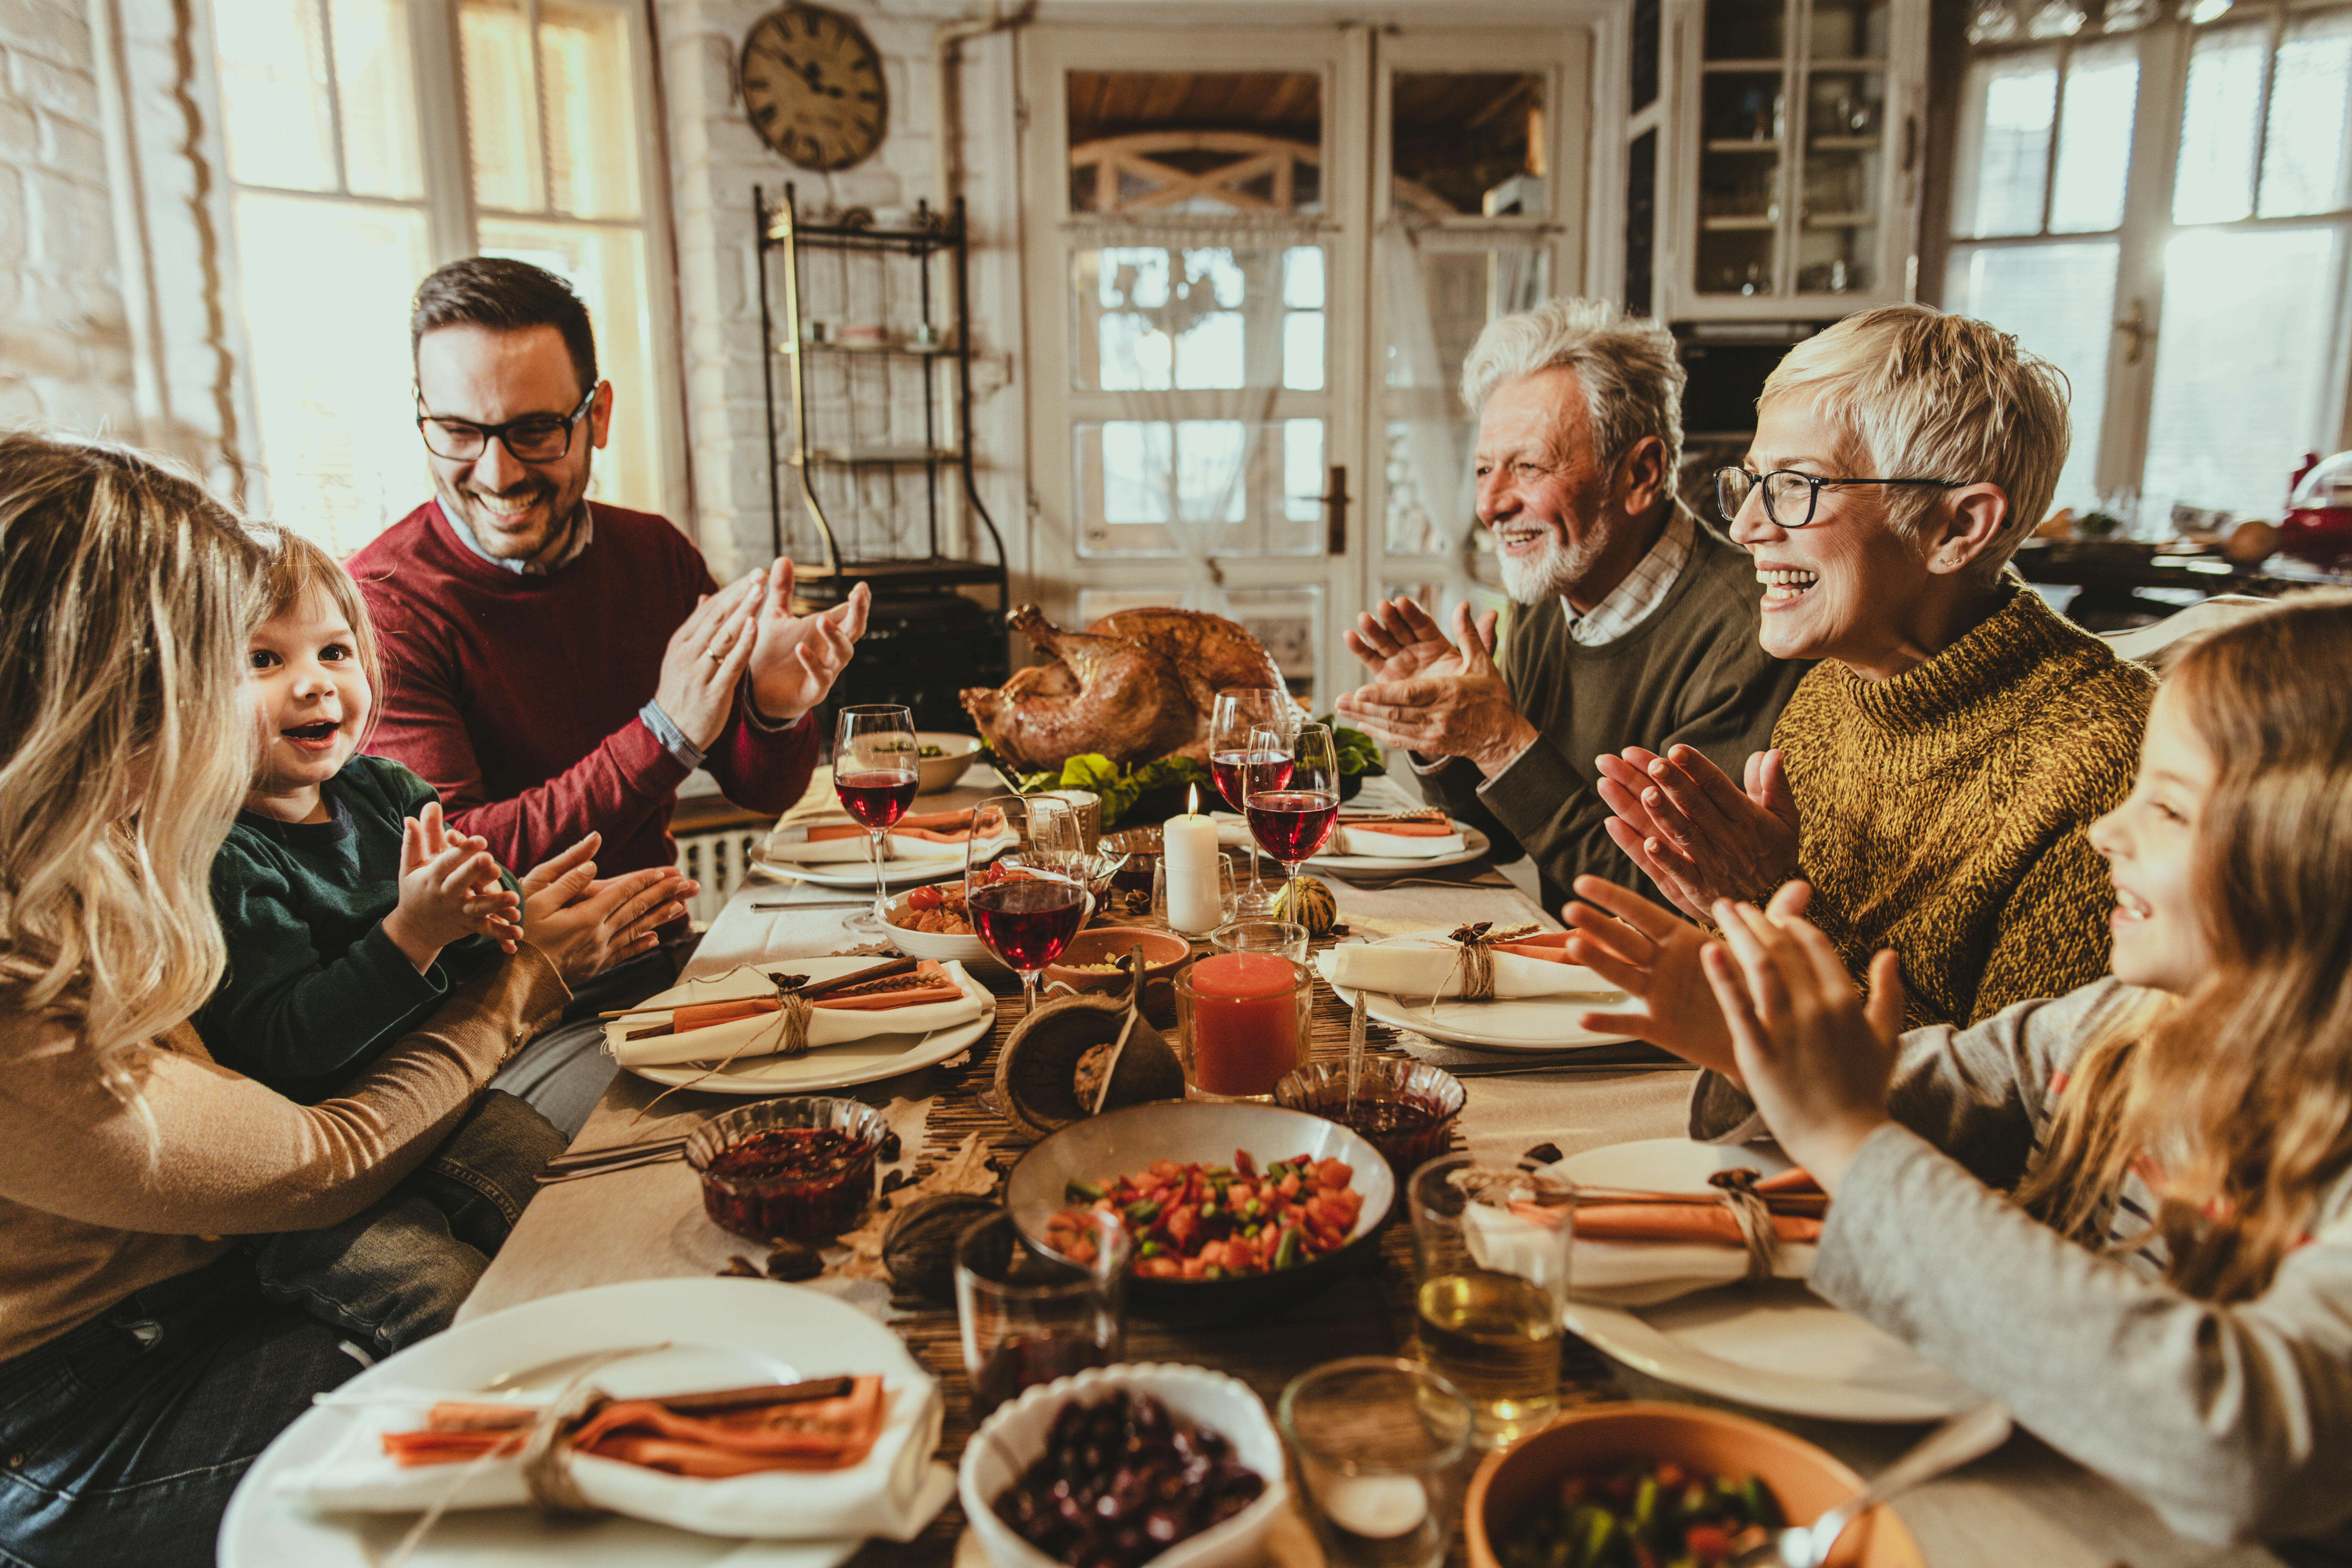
{"x":517,"y":696}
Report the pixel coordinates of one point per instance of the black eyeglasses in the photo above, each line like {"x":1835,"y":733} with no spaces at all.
{"x":534,"y":438}
{"x":1733,"y":487}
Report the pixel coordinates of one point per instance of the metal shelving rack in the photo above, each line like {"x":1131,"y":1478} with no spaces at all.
{"x":895,"y":506}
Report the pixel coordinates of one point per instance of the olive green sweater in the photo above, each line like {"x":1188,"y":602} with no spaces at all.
{"x":1691,"y":672}
{"x":1945,"y":813}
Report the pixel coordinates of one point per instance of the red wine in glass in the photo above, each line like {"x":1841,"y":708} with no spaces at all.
{"x":1292,"y":824}
{"x":1226,"y":768}
{"x":1024,"y":1362}
{"x":876,"y":799}
{"x":1026,"y":924}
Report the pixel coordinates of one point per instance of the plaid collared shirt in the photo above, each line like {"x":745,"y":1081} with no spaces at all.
{"x":1630,"y":603}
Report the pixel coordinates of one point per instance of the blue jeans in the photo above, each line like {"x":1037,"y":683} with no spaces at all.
{"x":121,"y":1440}
{"x":396,"y":1272}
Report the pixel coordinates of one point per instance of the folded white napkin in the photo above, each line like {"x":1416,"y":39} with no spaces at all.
{"x":1415,"y":968}
{"x":828,"y":1025}
{"x":893,"y":1492}
{"x":1644,"y":1273}
{"x":791,"y":846}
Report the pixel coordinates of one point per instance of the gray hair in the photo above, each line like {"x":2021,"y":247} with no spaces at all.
{"x":1632,"y":379}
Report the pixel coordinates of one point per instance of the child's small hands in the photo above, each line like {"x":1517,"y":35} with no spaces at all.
{"x":1818,"y":1059}
{"x":448,"y":888}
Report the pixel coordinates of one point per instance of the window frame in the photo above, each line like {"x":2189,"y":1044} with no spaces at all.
{"x":2147,"y":228}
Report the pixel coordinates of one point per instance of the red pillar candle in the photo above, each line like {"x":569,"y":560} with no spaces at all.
{"x":1246,"y":1022}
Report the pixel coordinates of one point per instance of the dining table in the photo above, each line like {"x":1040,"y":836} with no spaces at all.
{"x":2023,"y":1506}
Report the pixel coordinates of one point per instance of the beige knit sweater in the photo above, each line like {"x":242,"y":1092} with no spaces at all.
{"x":94,"y":1205}
{"x":1944,"y":813}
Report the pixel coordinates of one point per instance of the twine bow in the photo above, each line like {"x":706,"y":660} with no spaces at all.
{"x":1475,"y":961}
{"x":1738,"y":1191}
{"x":790,"y":1024}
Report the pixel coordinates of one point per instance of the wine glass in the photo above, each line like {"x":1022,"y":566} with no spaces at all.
{"x":1239,"y":710}
{"x":1024,"y":881}
{"x":1291,"y":794}
{"x":874,"y":774}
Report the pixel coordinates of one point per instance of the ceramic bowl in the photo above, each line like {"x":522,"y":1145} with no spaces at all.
{"x":1806,"y":1481}
{"x":1164,"y":954}
{"x":1009,"y":1441}
{"x":967,"y":948}
{"x":940,"y":773}
{"x":1120,"y":1143}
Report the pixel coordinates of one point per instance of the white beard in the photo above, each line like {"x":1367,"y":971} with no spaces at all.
{"x":1551,"y":573}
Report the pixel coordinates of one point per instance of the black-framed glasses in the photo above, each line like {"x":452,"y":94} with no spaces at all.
{"x":534,"y":438}
{"x":1781,"y":488}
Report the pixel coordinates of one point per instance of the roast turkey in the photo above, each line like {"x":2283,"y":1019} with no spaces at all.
{"x":1136,"y":685}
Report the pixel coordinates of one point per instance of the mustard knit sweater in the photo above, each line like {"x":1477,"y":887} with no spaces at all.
{"x":1944,"y":813}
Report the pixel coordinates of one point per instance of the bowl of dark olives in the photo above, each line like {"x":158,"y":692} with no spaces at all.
{"x":1177,"y":1466}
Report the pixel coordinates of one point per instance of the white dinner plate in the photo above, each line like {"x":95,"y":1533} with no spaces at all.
{"x":722,"y":1333}
{"x":830,"y":1066}
{"x":1776,"y":1346}
{"x":1527,"y":1023}
{"x":860,"y":874}
{"x":1474,"y":845}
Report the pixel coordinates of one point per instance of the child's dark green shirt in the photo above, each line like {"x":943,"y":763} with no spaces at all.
{"x":315,"y":988}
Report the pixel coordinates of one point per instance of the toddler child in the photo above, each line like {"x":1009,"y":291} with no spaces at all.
{"x":2126,"y":1212}
{"x":350,"y":911}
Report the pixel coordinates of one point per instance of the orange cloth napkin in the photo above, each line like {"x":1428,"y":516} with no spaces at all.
{"x":938,"y":827}
{"x":936,"y":987}
{"x":1415,"y":829}
{"x":801,"y":1434}
{"x":1680,"y":1222}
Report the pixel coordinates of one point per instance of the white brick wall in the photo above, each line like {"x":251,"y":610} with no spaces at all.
{"x":65,"y":344}
{"x":716,"y":158}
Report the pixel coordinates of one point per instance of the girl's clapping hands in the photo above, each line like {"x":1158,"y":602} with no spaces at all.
{"x":1816,"y":1059}
{"x":448,"y":888}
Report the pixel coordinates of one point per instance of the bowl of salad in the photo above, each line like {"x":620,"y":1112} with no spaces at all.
{"x":1663,"y":1483}
{"x":942,"y":759}
{"x":1236,"y":1210}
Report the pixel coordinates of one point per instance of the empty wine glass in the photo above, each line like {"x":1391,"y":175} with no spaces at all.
{"x":875,"y":773}
{"x":1240,"y":709}
{"x":1291,"y":794}
{"x":1024,"y":881}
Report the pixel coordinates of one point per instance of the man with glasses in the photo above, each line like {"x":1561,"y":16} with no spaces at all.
{"x":556,"y":667}
{"x":1632,"y":624}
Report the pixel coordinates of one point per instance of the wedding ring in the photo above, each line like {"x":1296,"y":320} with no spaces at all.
{"x":719,"y":658}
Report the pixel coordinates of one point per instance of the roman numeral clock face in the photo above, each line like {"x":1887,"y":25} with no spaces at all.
{"x":813,"y":86}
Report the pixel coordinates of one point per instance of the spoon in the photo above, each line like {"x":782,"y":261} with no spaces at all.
{"x":1947,"y":1448}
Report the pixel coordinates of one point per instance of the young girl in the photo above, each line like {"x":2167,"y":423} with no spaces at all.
{"x":350,"y":914}
{"x":2166,"y":1291}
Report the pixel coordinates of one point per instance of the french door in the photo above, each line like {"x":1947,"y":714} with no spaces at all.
{"x":1269,"y":251}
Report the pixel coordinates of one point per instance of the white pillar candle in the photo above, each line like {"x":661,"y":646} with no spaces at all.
{"x":1188,"y":849}
{"x":1379,"y":1507}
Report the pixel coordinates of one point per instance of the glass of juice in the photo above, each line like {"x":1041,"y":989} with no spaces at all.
{"x":1241,"y":1022}
{"x":1380,"y":1445}
{"x":1027,"y":1320}
{"x":1490,"y":1253}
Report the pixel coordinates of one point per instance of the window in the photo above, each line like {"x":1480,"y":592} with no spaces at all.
{"x":332,"y":156}
{"x":2197,"y":303}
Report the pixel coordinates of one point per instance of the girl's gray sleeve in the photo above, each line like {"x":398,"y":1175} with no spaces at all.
{"x":2234,"y":1423}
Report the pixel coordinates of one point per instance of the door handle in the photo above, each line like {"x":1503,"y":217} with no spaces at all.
{"x":1334,"y":513}
{"x":2135,"y":332}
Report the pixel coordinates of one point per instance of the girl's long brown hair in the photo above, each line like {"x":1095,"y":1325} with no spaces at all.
{"x":2241,"y":1090}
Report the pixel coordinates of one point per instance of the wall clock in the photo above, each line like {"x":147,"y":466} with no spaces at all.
{"x":813,"y":86}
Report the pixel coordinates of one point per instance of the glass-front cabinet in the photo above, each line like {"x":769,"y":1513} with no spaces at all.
{"x":1799,"y":147}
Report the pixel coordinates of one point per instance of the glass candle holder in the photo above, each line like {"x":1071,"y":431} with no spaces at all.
{"x":1251,"y":934}
{"x":1382,"y":1446}
{"x":1241,"y":1022}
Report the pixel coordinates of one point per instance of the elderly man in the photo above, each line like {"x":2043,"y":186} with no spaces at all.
{"x":1634,"y":621}
{"x":556,"y":668}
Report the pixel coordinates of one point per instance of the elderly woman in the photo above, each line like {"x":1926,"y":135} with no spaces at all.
{"x":1934,"y":775}
{"x":141,"y":1368}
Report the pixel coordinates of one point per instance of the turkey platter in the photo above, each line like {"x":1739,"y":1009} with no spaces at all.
{"x":1135,"y":686}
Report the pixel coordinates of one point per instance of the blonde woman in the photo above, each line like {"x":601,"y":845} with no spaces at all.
{"x":141,"y":1368}
{"x":1933,"y":776}
{"x":2177,"y":1138}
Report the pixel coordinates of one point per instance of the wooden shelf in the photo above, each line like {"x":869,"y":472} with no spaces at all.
{"x":876,"y":457}
{"x":1730,"y":225}
{"x":1840,"y":220}
{"x":923,"y":350}
{"x":1741,"y":144}
{"x":1844,"y":144}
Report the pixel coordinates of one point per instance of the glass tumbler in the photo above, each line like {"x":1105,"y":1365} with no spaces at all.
{"x":1254,"y":933}
{"x":1490,"y":1252}
{"x":1027,"y":1320}
{"x":1383,"y":1447}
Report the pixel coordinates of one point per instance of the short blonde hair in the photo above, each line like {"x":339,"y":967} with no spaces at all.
{"x":1631,"y":377}
{"x":126,"y":737}
{"x":294,"y":569}
{"x":1924,"y":395}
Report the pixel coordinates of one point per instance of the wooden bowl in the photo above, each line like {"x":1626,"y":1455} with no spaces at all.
{"x":1806,"y":1481}
{"x":1164,"y":954}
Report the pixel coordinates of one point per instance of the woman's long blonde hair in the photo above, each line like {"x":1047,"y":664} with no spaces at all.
{"x":2242,"y":1090}
{"x":126,"y":739}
